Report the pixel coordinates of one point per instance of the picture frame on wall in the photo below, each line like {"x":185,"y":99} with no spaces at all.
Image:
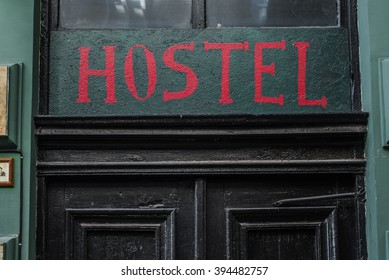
{"x":10,"y":87}
{"x":6,"y":172}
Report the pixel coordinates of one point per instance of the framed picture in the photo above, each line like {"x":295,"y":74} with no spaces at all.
{"x":6,"y":172}
{"x":10,"y":89}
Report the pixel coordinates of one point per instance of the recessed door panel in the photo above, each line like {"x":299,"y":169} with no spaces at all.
{"x":244,"y":221}
{"x":120,"y":218}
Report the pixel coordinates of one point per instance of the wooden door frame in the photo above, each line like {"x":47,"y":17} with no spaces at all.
{"x":281,"y":138}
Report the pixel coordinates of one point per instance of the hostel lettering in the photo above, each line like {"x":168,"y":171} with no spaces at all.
{"x":192,"y":80}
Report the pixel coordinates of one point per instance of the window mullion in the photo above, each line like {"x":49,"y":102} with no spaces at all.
{"x":198,"y":14}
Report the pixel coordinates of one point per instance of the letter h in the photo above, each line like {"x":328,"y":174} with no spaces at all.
{"x":108,"y":73}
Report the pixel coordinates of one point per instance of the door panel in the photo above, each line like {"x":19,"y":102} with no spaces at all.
{"x":253,"y":228}
{"x":120,"y":233}
{"x":120,"y":218}
{"x":282,"y":234}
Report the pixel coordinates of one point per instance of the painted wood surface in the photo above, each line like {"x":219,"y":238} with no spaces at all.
{"x":199,"y":72}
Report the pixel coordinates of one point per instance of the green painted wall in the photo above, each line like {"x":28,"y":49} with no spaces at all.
{"x":374,"y":44}
{"x":18,"y":45}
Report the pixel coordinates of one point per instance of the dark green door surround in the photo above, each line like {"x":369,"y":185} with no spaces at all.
{"x":374,"y":45}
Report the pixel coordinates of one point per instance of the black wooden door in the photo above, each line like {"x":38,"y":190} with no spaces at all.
{"x":248,"y":144}
{"x":272,"y":189}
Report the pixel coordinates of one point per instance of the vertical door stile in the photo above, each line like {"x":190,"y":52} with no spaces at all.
{"x":200,"y":214}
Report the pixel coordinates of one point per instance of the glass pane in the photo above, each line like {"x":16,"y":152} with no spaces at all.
{"x":122,"y":14}
{"x":272,"y":13}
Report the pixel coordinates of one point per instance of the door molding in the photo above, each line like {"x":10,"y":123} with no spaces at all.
{"x":271,"y":144}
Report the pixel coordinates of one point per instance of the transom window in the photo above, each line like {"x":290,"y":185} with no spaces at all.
{"x":126,"y":14}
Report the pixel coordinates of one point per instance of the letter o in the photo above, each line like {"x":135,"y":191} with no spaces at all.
{"x":151,"y":72}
